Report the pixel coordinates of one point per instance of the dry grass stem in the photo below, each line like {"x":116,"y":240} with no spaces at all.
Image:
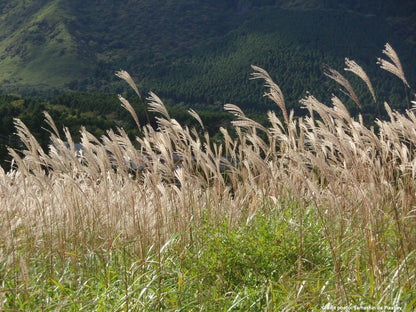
{"x":395,"y":66}
{"x":122,"y":74}
{"x":275,"y":94}
{"x":353,"y":67}
{"x":337,"y":77}
{"x":126,"y":105}
{"x":347,"y":190}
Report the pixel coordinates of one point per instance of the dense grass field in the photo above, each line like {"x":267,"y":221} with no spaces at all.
{"x":316,"y":213}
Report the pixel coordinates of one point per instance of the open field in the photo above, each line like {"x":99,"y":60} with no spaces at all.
{"x":309,"y":214}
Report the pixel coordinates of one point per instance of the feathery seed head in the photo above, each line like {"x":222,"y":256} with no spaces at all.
{"x":340,"y":79}
{"x":195,"y":115}
{"x":126,"y":105}
{"x":394,"y":67}
{"x":275,"y":93}
{"x":353,"y":67}
{"x":122,"y":74}
{"x":156,"y":105}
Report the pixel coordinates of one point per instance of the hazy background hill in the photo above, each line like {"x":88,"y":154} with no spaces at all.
{"x":196,"y":52}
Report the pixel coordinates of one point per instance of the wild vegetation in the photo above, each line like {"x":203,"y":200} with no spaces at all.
{"x":196,"y":52}
{"x":308,"y":214}
{"x":97,"y":112}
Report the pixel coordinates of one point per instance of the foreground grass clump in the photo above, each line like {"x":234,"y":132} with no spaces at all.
{"x":308,"y":214}
{"x":251,"y":266}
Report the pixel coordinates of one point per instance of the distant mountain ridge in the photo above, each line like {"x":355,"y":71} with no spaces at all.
{"x":185,"y":48}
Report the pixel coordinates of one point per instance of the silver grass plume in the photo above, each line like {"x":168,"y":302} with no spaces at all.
{"x":275,"y":93}
{"x":394,"y":67}
{"x":127,"y":78}
{"x":353,"y":67}
{"x":242,"y":121}
{"x":156,"y":105}
{"x":337,"y":77}
{"x":126,"y":105}
{"x":195,"y":115}
{"x":51,"y":123}
{"x":340,"y":109}
{"x":234,"y":109}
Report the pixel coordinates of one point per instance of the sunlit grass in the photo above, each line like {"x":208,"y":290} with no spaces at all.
{"x":310,"y":212}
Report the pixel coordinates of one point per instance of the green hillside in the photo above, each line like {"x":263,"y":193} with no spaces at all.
{"x":150,"y":206}
{"x":198,"y":52}
{"x":292,"y":45}
{"x":36,"y":49}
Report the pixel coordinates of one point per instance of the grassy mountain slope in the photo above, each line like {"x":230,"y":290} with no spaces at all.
{"x":36,"y":48}
{"x":292,"y":45}
{"x":194,"y":51}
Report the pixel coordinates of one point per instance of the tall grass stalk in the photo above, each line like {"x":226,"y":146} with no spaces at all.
{"x":307,"y":212}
